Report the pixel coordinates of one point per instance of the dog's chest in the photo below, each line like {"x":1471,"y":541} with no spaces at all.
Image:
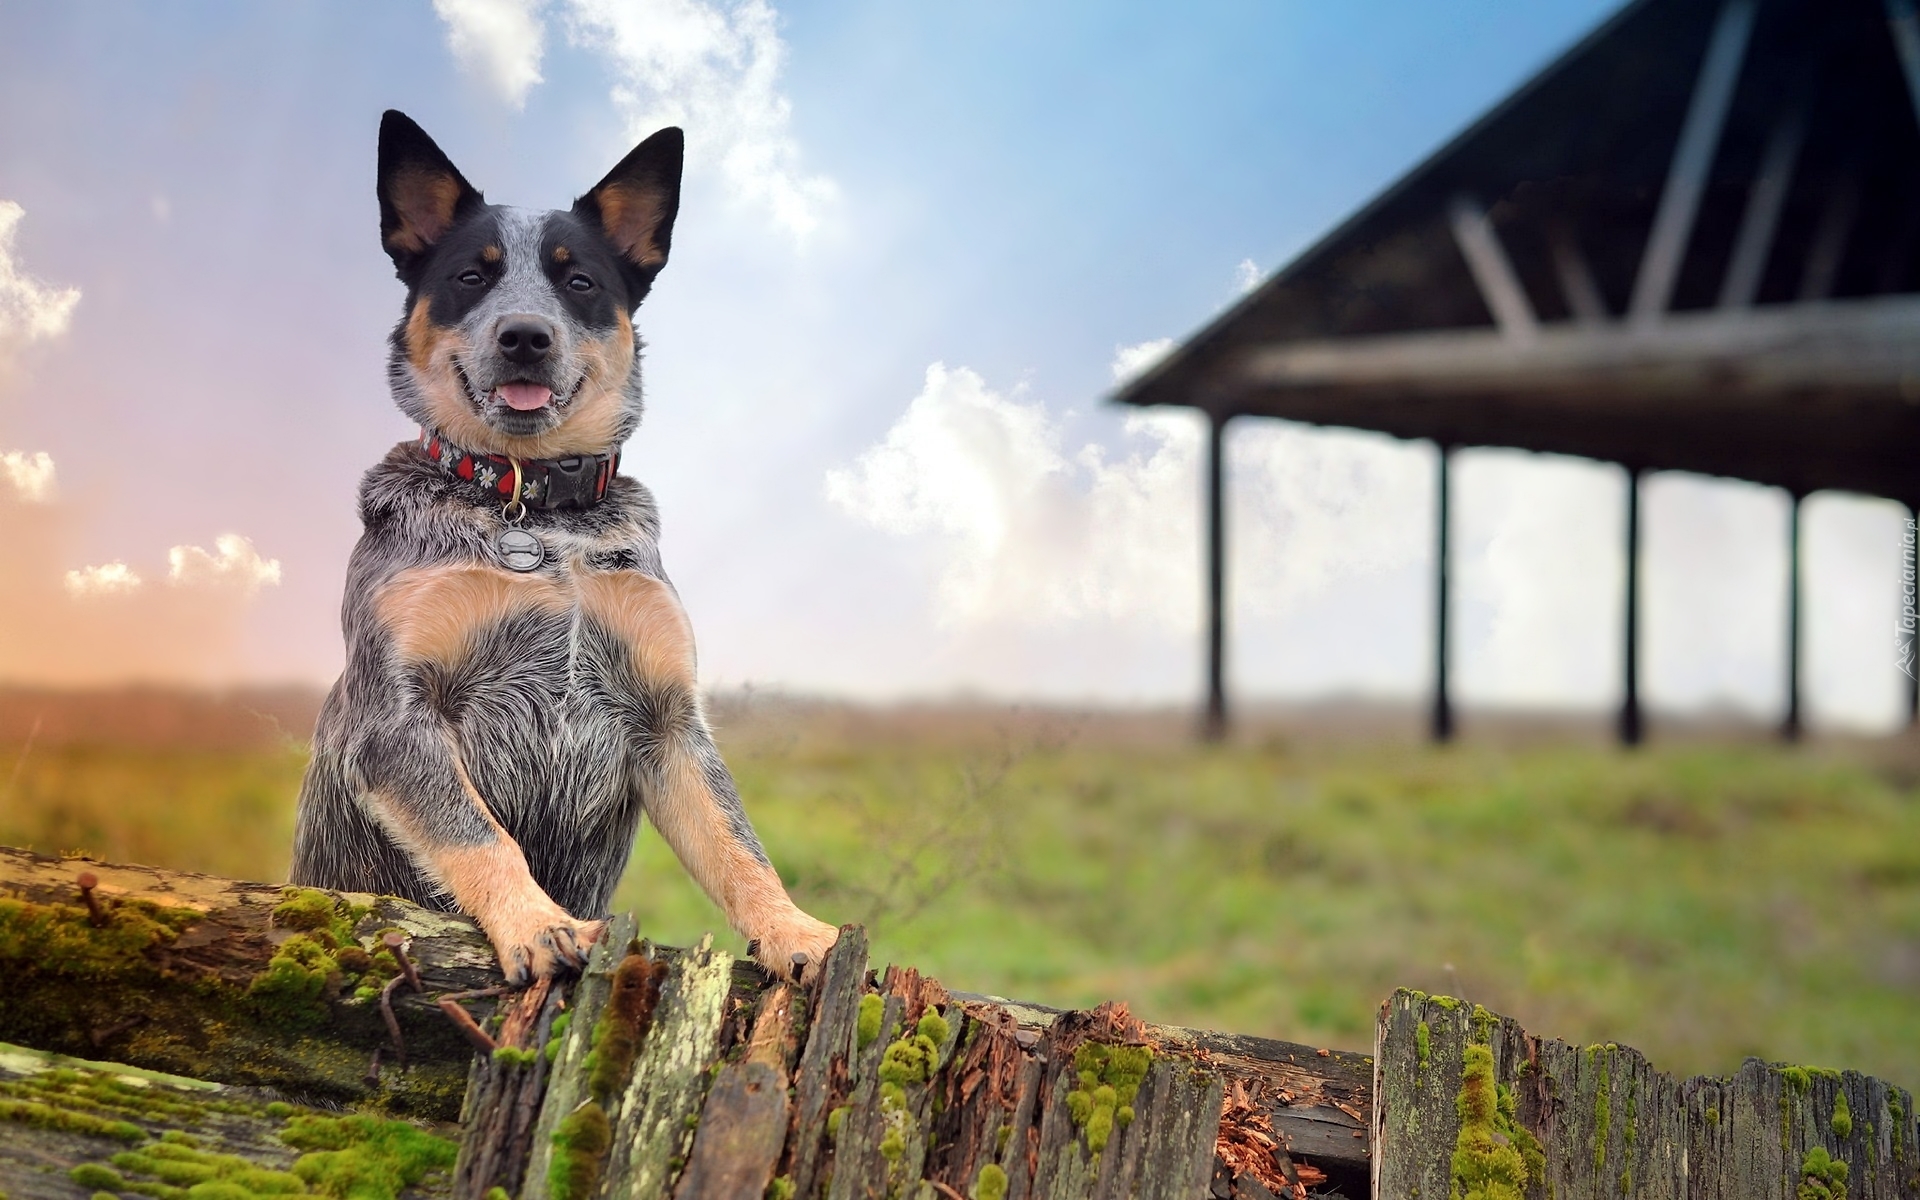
{"x":564,"y":634}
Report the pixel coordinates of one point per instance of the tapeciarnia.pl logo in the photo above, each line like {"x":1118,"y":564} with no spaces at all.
{"x":1903,"y":629}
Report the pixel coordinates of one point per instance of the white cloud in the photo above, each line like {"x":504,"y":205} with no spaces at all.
{"x":29,"y":309}
{"x":1246,"y":276}
{"x":1035,"y":534}
{"x":712,"y":68}
{"x":715,"y":70}
{"x":108,"y":579}
{"x":31,"y":475}
{"x":235,"y":561}
{"x":1129,"y":361}
{"x":502,"y":41}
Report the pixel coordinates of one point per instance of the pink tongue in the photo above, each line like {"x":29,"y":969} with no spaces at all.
{"x":525,"y":397}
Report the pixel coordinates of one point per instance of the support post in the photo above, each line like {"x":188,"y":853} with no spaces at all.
{"x":1214,"y":727}
{"x":1790,"y":728}
{"x":1631,"y":730}
{"x":1442,"y":698}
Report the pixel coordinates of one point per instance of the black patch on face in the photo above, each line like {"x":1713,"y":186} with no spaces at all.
{"x":591,"y":285}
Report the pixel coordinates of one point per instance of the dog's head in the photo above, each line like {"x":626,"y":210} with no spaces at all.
{"x":518,"y":335}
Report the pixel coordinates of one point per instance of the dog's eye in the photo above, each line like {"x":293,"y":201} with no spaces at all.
{"x":580,"y":283}
{"x":472,"y":278}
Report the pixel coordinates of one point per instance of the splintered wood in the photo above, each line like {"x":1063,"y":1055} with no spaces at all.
{"x":861,"y":1086}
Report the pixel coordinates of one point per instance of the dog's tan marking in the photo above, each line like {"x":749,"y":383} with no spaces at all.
{"x":593,"y":416}
{"x":432,"y":613}
{"x":489,"y":881}
{"x":490,"y":254}
{"x":631,"y":217}
{"x":646,"y":616}
{"x":424,"y":200}
{"x":683,"y":808}
{"x":562,"y":254}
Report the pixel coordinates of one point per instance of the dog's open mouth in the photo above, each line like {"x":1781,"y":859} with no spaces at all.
{"x":524,"y":397}
{"x":520,"y":396}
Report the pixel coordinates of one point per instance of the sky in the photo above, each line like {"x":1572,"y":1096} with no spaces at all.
{"x":918,"y":247}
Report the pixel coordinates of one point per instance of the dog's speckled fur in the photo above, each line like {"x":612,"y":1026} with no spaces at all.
{"x":495,"y":736}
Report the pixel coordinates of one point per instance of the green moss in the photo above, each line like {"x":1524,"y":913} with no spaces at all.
{"x":1109,"y":1079}
{"x":1494,"y":1156}
{"x":623,"y":1023}
{"x":1798,"y":1078}
{"x":41,"y":940}
{"x":910,"y":1060}
{"x":1423,"y":1044}
{"x":934,"y":1027}
{"x":1483,"y":1023}
{"x":873,"y":1007}
{"x":41,"y":1115}
{"x":558,"y":1033}
{"x":580,"y":1143}
{"x":497,"y":1193}
{"x":1842,"y":1122}
{"x":781,"y":1188}
{"x":836,"y":1119}
{"x":991,"y":1183}
{"x":1000,"y":1140}
{"x":1447,"y":1002}
{"x":511,"y":1056}
{"x":364,"y":1158}
{"x":1822,"y":1177}
{"x":98,"y":1177}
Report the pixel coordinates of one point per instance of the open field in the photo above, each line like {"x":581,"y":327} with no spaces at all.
{"x":1701,"y":900}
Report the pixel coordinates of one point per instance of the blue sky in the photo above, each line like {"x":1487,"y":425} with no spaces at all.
{"x":914,"y":242}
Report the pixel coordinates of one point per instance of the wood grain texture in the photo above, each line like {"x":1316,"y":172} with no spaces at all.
{"x":1612,"y":1125}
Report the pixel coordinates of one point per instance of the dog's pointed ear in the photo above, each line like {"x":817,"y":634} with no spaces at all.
{"x":635,"y":206}
{"x":421,"y":192}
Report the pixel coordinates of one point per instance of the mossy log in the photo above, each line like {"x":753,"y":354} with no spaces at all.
{"x":237,"y":983}
{"x":1469,"y":1099}
{"x":658,"y":1073}
{"x":680,"y":1076}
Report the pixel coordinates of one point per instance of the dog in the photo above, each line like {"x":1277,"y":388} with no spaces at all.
{"x":519,"y":683}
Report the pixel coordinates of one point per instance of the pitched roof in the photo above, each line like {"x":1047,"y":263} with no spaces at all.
{"x":1692,"y":242}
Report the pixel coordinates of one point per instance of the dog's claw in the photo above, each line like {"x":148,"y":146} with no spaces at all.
{"x":551,"y":946}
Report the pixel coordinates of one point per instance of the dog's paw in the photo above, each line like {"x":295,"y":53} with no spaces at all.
{"x":542,"y":943}
{"x":794,"y":948}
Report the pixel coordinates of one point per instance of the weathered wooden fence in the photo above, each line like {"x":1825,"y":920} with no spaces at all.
{"x":203,"y":1039}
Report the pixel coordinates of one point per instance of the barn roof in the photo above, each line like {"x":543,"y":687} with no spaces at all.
{"x":1692,"y":242}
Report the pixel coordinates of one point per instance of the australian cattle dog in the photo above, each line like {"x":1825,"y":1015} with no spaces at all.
{"x":519,"y":683}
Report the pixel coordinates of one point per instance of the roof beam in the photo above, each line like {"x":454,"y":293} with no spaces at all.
{"x":1904,"y":23}
{"x":1870,"y":344}
{"x":1761,"y":220}
{"x":1577,"y":284}
{"x":1492,"y":270}
{"x":1692,"y":158}
{"x":1829,"y":246}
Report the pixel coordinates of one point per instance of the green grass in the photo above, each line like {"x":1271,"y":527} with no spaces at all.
{"x":1702,"y":904}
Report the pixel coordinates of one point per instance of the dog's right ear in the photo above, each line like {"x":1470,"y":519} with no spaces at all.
{"x":421,"y":192}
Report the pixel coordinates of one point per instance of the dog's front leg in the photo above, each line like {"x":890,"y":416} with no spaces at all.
{"x":416,"y":785}
{"x":692,"y":801}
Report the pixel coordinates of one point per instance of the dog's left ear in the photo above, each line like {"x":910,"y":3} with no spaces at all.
{"x":421,"y":192}
{"x":635,"y":206}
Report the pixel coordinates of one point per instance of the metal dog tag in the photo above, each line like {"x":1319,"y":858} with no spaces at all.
{"x":520,"y":550}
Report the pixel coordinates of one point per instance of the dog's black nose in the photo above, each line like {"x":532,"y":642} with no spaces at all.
{"x":525,"y":340}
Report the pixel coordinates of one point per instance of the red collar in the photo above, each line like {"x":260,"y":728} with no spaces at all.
{"x":545,"y":483}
